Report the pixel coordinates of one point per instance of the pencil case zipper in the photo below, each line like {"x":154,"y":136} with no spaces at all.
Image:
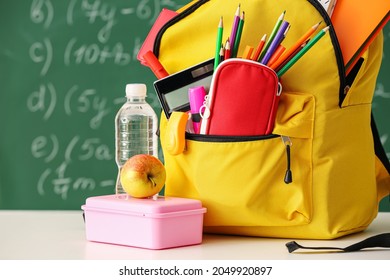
{"x":230,"y":139}
{"x":314,"y":3}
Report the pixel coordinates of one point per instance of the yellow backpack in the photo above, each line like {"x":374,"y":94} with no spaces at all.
{"x":337,"y":178}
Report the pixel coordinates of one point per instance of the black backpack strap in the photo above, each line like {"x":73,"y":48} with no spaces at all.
{"x":380,"y":240}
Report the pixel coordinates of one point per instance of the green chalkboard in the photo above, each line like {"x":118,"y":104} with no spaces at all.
{"x":381,"y":104}
{"x":63,"y":67}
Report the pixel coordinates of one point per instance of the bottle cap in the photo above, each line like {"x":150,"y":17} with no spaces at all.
{"x":135,"y":90}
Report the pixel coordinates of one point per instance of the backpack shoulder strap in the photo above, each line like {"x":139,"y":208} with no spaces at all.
{"x":380,"y":240}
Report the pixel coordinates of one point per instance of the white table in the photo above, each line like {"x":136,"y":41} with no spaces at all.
{"x":60,"y":235}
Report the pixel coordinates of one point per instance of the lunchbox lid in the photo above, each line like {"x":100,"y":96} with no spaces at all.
{"x":161,"y":205}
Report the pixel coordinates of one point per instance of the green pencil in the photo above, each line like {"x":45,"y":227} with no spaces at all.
{"x":217,"y":59}
{"x":271,"y":37}
{"x":239,"y":33}
{"x":295,"y":58}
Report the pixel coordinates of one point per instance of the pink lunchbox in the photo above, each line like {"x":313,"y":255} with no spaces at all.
{"x":160,"y":223}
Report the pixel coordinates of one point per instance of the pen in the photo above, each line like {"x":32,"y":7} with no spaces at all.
{"x":238,"y":36}
{"x":155,"y":65}
{"x":235,"y":26}
{"x":296,"y":46}
{"x":273,"y":33}
{"x":280,"y":35}
{"x":219,"y":43}
{"x":259,"y":48}
{"x":293,"y":60}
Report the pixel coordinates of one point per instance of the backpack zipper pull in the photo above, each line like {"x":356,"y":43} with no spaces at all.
{"x":287,"y":142}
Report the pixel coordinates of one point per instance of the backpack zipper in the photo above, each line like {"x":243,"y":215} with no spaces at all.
{"x":314,"y":3}
{"x":223,"y":139}
{"x":287,"y":142}
{"x":185,"y":13}
{"x":336,"y":47}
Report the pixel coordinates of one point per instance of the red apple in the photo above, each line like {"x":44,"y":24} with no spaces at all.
{"x":143,"y":176}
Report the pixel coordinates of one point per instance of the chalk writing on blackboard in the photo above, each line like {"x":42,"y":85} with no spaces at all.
{"x":76,"y":101}
{"x":77,"y":149}
{"x":42,"y":52}
{"x":93,"y":53}
{"x":72,"y":101}
{"x":42,"y":11}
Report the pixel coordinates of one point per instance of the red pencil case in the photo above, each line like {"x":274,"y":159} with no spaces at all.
{"x":242,"y":100}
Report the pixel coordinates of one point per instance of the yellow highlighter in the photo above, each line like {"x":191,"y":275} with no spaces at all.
{"x":175,"y":133}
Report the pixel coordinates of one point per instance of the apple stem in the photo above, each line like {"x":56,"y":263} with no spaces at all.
{"x":151,"y":179}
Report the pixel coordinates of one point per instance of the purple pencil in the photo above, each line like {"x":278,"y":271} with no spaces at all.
{"x":276,"y":41}
{"x":235,"y":26}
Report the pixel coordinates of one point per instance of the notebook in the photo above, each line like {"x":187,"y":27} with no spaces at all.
{"x":357,"y":23}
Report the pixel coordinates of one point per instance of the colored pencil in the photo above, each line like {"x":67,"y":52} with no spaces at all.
{"x":278,"y":52}
{"x":221,"y":53}
{"x":227,"y":54}
{"x":236,"y":21}
{"x":284,"y":62}
{"x":273,"y":33}
{"x":247,"y":52}
{"x":280,"y":35}
{"x":238,"y":35}
{"x":296,"y":46}
{"x":219,"y":43}
{"x":311,"y":43}
{"x":259,"y":48}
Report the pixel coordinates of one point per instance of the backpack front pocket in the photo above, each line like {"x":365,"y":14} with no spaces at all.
{"x":241,"y":180}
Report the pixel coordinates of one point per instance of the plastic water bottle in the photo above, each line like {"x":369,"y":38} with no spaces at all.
{"x":135,"y":129}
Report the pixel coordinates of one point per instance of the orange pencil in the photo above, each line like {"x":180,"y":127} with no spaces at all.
{"x":247,"y":52}
{"x":284,"y":62}
{"x":227,"y":49}
{"x":259,"y":48}
{"x":278,"y":52}
{"x":292,"y":49}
